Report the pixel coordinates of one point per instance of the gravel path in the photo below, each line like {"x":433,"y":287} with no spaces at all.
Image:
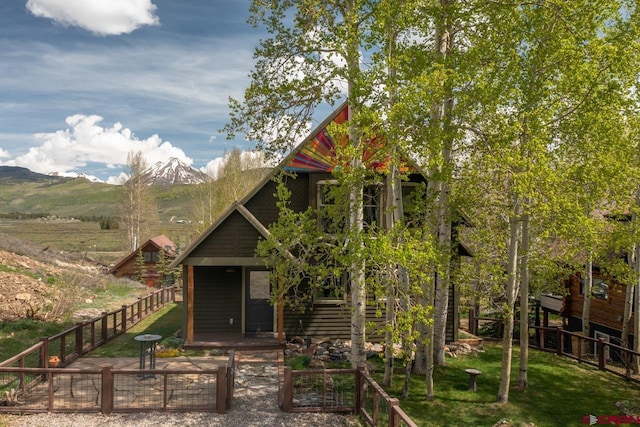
{"x":254,"y":405}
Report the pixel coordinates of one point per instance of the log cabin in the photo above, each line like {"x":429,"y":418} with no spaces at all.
{"x":606,"y":310}
{"x":151,"y":253}
{"x":227,"y":287}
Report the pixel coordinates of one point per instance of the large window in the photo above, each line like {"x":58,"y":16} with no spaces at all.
{"x":332,"y":289}
{"x":327,"y":209}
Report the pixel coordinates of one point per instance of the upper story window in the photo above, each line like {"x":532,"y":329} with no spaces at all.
{"x":599,"y":289}
{"x":333,"y":289}
{"x":327,"y":208}
{"x":150,"y":256}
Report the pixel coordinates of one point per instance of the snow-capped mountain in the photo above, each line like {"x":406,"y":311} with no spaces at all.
{"x":175,"y":171}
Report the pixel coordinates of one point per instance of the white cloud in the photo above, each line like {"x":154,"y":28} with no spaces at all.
{"x":67,"y":151}
{"x":103,"y":17}
{"x":4,"y":154}
{"x":249,"y":160}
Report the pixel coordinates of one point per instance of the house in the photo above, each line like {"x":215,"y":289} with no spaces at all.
{"x":227,"y":287}
{"x":150,"y":251}
{"x":606,"y":310}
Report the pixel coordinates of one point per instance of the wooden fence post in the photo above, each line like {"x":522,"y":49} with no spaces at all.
{"x":560,"y":339}
{"x":601,"y":360}
{"x":139,"y":308}
{"x":105,"y":330}
{"x":106,"y":406}
{"x":152,"y":298}
{"x":124,"y":318}
{"x":287,"y":398}
{"x":542,"y":339}
{"x":221,"y":390}
{"x":393,"y":419}
{"x":44,"y":353}
{"x":359,"y":389}
{"x":79,"y":339}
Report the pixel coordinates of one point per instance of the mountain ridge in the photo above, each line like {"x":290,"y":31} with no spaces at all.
{"x":173,"y":172}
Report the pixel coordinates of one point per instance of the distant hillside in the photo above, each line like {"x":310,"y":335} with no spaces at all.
{"x":9,"y":174}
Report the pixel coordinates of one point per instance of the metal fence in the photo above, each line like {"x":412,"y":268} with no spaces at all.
{"x":29,"y":382}
{"x":340,"y":390}
{"x":108,"y":390}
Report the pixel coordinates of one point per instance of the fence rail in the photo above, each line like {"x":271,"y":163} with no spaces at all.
{"x":599,"y":353}
{"x":341,"y":390}
{"x":106,"y":390}
{"x":80,"y":339}
{"x":110,"y":390}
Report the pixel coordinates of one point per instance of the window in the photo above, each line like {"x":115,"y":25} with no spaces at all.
{"x":371,"y":205}
{"x":327,"y":205}
{"x":150,"y":256}
{"x":326,"y":201}
{"x":599,"y":289}
{"x":332,"y":289}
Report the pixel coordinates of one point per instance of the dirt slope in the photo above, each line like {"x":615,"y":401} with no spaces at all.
{"x":31,"y":288}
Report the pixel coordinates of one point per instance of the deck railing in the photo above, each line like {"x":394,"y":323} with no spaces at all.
{"x":340,"y":390}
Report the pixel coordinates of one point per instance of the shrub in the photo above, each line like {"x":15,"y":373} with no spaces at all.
{"x":299,"y":362}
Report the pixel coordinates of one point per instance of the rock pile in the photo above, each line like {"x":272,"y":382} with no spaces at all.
{"x":325,"y":350}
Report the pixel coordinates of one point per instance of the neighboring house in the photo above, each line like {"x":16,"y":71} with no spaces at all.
{"x":227,"y":287}
{"x":151,"y":274}
{"x":606,"y":310}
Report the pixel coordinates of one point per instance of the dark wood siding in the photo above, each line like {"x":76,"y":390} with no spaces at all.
{"x":217,"y":298}
{"x":329,"y":320}
{"x":235,"y":237}
{"x":263,"y":204}
{"x":452,"y":315}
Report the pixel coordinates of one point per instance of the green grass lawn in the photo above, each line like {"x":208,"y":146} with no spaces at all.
{"x":165,"y":322}
{"x":561,"y":391}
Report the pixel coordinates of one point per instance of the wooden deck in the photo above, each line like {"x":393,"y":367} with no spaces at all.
{"x":221,"y":341}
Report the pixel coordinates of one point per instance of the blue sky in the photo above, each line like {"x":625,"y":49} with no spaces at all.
{"x":84,"y":82}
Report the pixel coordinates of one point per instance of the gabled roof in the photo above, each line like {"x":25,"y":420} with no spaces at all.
{"x":316,"y":153}
{"x":158,"y":242}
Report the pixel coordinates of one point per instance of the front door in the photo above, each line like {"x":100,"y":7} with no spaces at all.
{"x":258,"y":310}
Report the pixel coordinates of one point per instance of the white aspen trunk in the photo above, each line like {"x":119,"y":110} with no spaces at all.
{"x":586,"y":305}
{"x":635,"y":365}
{"x":389,"y":318}
{"x":420,"y":358}
{"x":633,"y":296}
{"x":441,"y":306}
{"x":357,"y":267}
{"x":441,"y":113}
{"x":507,"y":342}
{"x":628,"y":301}
{"x":429,"y":364}
{"x":523,"y":380}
